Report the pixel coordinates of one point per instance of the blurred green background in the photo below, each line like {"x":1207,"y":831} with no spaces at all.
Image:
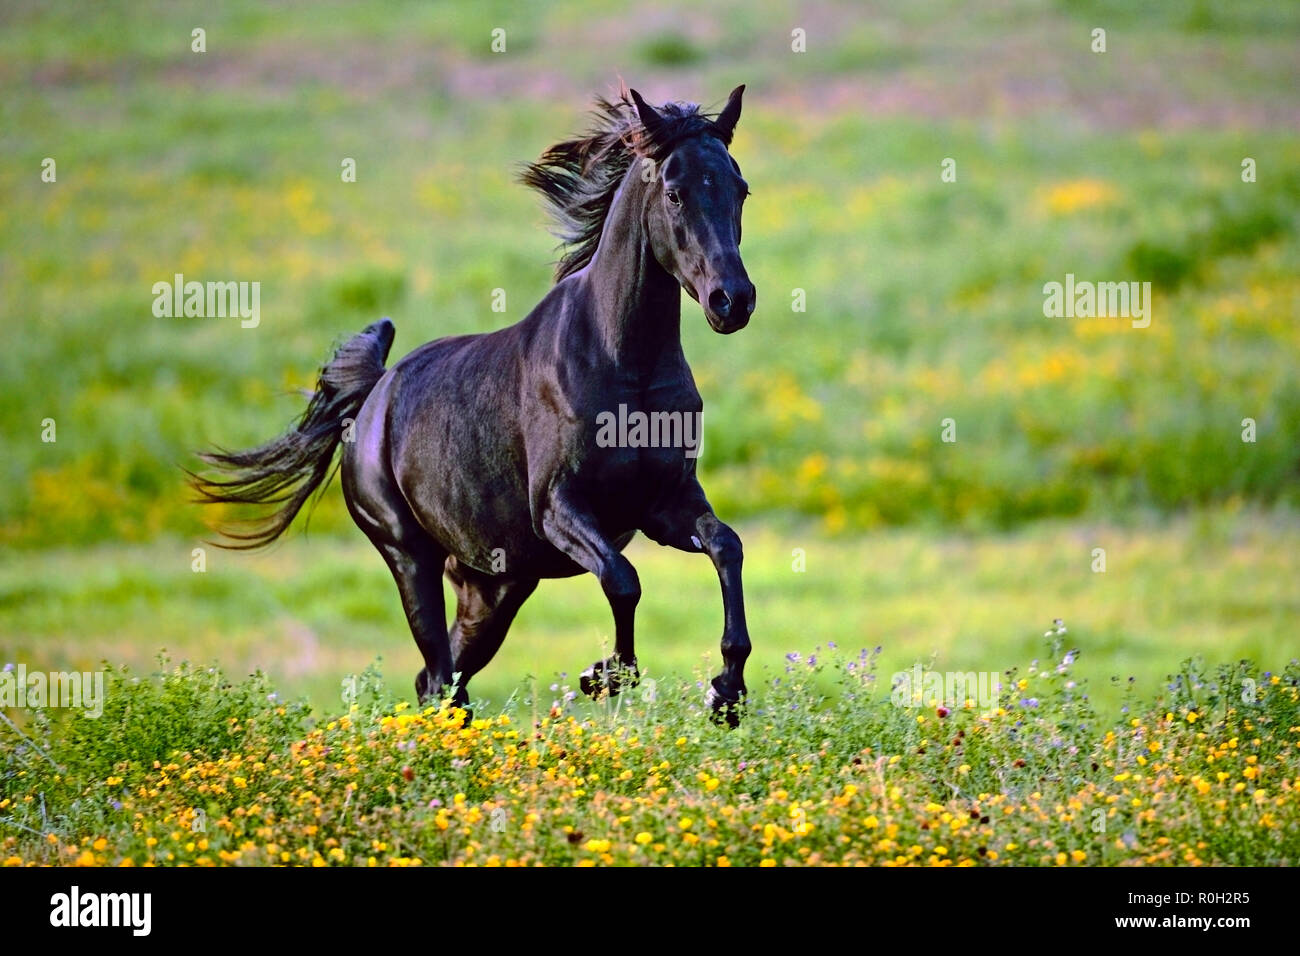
{"x":924,"y":302}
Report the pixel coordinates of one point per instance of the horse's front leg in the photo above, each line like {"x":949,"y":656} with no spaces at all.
{"x":569,"y":525}
{"x":691,"y":525}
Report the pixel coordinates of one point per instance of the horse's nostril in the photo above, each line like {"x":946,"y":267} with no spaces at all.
{"x":719,"y":302}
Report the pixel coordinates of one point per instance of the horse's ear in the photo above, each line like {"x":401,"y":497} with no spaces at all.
{"x":726,"y":121}
{"x":650,"y":117}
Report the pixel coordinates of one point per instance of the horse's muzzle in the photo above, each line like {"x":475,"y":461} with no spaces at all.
{"x":730,"y":305}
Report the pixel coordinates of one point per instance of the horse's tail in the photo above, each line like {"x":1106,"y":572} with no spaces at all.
{"x":285,"y":471}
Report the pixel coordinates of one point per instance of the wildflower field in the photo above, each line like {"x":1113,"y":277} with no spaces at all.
{"x":1141,"y":482}
{"x":186,"y":769}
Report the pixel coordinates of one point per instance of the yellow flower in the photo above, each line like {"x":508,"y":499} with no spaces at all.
{"x":768,"y":862}
{"x":1076,"y":194}
{"x":871,"y":822}
{"x":643,"y":838}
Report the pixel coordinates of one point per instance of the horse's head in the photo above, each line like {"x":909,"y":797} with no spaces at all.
{"x":692,"y":216}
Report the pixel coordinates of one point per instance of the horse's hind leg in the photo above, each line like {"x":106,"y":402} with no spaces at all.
{"x":414,"y":558}
{"x":417,"y":569}
{"x":485,"y":608}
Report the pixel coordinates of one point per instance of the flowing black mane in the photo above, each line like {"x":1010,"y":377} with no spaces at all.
{"x":578,"y":178}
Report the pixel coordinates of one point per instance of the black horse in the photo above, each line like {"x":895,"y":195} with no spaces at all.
{"x":480,"y":456}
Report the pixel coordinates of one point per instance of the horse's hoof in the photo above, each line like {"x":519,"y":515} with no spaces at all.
{"x":428,"y":692}
{"x":607,"y":677}
{"x":724,"y":708}
{"x":425,"y":693}
{"x":433,"y":696}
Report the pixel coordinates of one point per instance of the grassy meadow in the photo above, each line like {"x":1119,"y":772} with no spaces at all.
{"x":824,"y":427}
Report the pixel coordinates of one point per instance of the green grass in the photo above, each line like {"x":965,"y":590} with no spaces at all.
{"x":1219,"y":584}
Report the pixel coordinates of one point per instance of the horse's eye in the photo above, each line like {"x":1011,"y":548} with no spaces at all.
{"x":673,"y":198}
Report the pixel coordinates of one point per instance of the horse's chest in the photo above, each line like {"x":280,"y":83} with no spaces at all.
{"x":637,"y":442}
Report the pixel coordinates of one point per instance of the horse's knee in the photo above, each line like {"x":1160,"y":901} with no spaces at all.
{"x":619,"y":581}
{"x":725,"y":547}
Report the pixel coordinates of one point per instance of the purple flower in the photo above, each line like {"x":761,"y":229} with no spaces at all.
{"x":793,"y":657}
{"x":831,"y":645}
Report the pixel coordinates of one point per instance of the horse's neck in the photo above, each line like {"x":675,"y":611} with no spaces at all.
{"x":636,"y":304}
